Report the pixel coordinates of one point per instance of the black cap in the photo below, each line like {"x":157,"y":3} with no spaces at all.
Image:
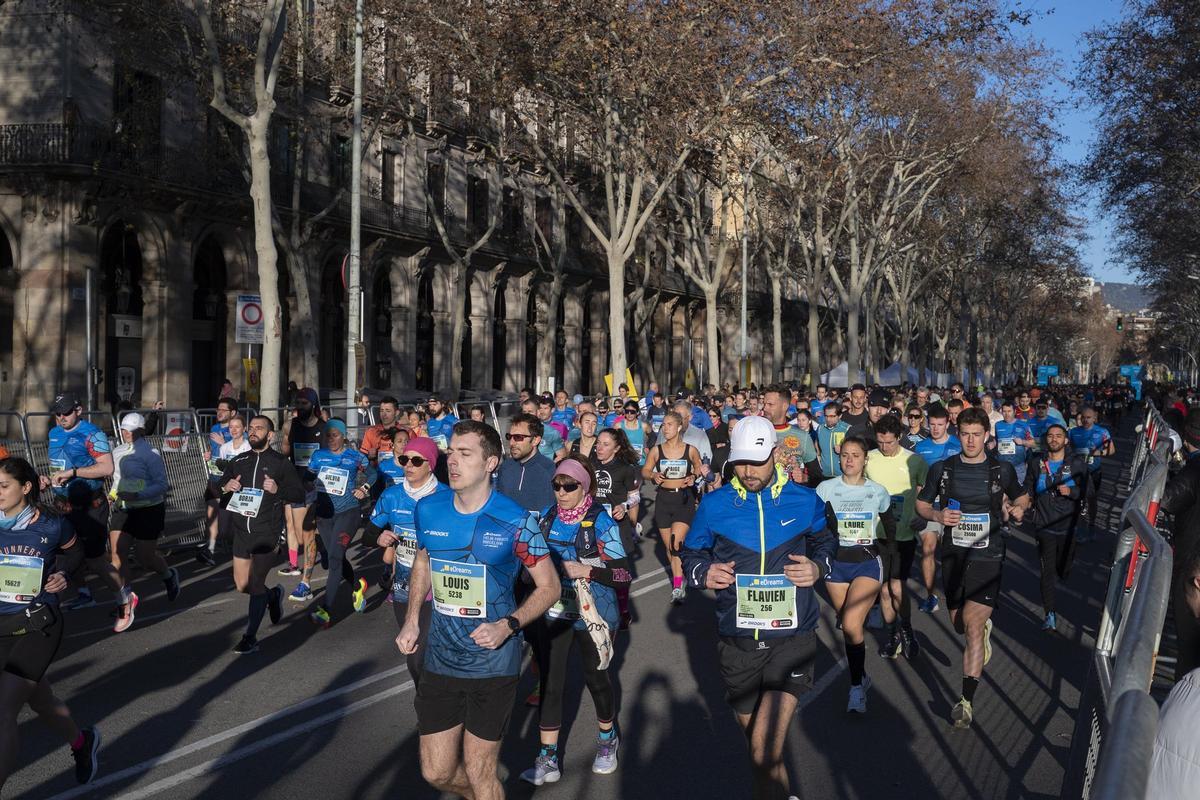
{"x":879,"y":398}
{"x":65,"y":403}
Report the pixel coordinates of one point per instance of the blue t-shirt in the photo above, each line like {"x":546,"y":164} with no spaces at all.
{"x":214,"y":449}
{"x":26,"y":558}
{"x":78,"y":447}
{"x":1038,"y":426}
{"x":700,"y":418}
{"x":566,"y":416}
{"x":1009,"y":436}
{"x":1086,"y":440}
{"x":562,"y":541}
{"x":474,"y":561}
{"x":440,"y":430}
{"x":395,"y":510}
{"x":551,"y":443}
{"x":337,"y":475}
{"x":1050,"y":472}
{"x":391,"y":472}
{"x":933,"y":452}
{"x":818,"y":407}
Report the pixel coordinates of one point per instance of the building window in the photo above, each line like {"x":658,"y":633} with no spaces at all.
{"x":435,"y":184}
{"x":512,"y":210}
{"x":477,"y":202}
{"x":545,"y":218}
{"x":339,"y":162}
{"x":388,"y":182}
{"x":283,"y":151}
{"x":137,"y":116}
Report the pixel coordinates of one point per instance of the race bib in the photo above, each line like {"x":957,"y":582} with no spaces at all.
{"x":406,"y":549}
{"x":1007,"y":447}
{"x":837,"y":438}
{"x":385,"y":455}
{"x":856,"y":528}
{"x":765,"y":602}
{"x":897,"y":504}
{"x":567,"y":606}
{"x":441,"y":441}
{"x":673,"y":468}
{"x":58,"y":464}
{"x":334,"y":479}
{"x":246,"y":502}
{"x":972,"y":531}
{"x":459,"y":589}
{"x":20,"y":578}
{"x":302,"y":452}
{"x":656,"y":424}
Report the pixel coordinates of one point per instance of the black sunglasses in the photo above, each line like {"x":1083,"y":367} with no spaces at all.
{"x":517,"y":437}
{"x":564,"y":486}
{"x":914,"y":416}
{"x":416,"y":461}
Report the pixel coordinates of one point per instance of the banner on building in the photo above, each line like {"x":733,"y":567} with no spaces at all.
{"x":1045,"y":372}
{"x":250,"y":381}
{"x":249,"y":326}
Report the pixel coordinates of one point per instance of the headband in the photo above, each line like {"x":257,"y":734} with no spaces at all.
{"x":572,"y":468}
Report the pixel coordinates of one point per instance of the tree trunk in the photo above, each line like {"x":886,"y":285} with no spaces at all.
{"x":777,"y":320}
{"x":711,"y":355}
{"x":550,"y":343}
{"x":270,"y":378}
{"x":616,"y":316}
{"x":814,"y":339}
{"x":853,"y":345}
{"x":460,"y":286}
{"x":301,"y":270}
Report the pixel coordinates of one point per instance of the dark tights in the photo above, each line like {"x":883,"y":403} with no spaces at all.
{"x":552,"y":646}
{"x":1057,"y":551}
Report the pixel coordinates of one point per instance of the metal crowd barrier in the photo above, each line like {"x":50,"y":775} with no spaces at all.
{"x":1117,"y":719}
{"x":13,"y":436}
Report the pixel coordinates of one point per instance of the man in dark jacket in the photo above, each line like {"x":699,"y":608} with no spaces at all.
{"x":256,"y":487}
{"x":526,"y":474}
{"x":1181,"y":499}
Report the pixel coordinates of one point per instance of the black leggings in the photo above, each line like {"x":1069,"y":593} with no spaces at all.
{"x":551,"y":643}
{"x":1093,"y":496}
{"x":1057,"y":553}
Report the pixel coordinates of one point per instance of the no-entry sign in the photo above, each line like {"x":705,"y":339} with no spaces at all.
{"x":249,"y":326}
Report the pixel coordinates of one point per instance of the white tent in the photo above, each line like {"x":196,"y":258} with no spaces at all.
{"x":894,"y":375}
{"x":838,"y":377}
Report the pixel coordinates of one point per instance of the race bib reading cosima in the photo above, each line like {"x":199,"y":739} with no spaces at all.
{"x":459,"y":589}
{"x":972,"y":531}
{"x":246,"y":502}
{"x":20,"y":578}
{"x":334,"y":479}
{"x":765,"y":602}
{"x":303,"y":452}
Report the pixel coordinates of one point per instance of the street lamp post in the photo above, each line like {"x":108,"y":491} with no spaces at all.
{"x":353,"y":279}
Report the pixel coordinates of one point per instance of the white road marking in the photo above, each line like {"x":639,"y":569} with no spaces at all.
{"x":651,"y":587}
{"x":142,"y":617}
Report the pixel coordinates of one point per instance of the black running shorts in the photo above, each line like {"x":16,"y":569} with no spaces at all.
{"x":481,"y":705}
{"x":977,"y":580}
{"x":750,"y":667}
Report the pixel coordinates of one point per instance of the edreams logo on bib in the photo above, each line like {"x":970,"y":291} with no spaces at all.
{"x":455,"y":569}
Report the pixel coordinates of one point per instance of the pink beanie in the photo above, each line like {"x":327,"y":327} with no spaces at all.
{"x":423,"y":446}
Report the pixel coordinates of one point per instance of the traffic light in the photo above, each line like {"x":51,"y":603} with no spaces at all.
{"x":1120,"y":323}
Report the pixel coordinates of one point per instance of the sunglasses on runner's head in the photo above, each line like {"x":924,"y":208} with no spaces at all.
{"x":517,"y":437}
{"x":416,"y":461}
{"x":565,"y":486}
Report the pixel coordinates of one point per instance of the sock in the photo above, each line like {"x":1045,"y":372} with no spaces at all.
{"x":125,"y":593}
{"x":856,"y":658}
{"x":969,"y":686}
{"x":610,"y":734}
{"x":623,"y":599}
{"x":212,"y":545}
{"x":293,"y":557}
{"x":258,"y":607}
{"x":676,"y":582}
{"x":891,"y":628}
{"x":549,"y":750}
{"x":78,"y":743}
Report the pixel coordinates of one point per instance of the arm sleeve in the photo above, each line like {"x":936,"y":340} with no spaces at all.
{"x":696,"y":552}
{"x":614,"y":573}
{"x":888,"y":520}
{"x":69,"y":558}
{"x":371,"y":536}
{"x":822,"y":544}
{"x":290,"y":490}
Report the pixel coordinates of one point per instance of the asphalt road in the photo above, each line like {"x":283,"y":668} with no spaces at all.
{"x":328,"y":714}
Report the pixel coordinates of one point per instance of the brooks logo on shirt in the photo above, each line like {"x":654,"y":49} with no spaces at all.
{"x":440,"y":534}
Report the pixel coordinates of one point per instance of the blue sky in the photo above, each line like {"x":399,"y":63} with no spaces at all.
{"x":1060,"y":25}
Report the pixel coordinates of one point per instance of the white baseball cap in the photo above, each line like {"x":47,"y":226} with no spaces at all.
{"x":752,"y":439}
{"x":132,"y":421}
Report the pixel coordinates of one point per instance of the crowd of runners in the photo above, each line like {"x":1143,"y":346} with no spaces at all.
{"x":506,"y":550}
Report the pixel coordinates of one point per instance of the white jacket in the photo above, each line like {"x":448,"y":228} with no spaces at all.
{"x":1175,"y":765}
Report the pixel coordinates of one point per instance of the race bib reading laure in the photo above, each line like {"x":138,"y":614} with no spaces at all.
{"x":334,"y":479}
{"x":20,"y":578}
{"x":972,"y":531}
{"x":459,"y":589}
{"x":567,"y":606}
{"x":406,"y":549}
{"x":303,"y":452}
{"x":856,"y":528}
{"x":765,"y":602}
{"x":246,"y":502}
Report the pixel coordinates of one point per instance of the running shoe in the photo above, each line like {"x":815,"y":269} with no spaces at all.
{"x":321,"y":617}
{"x":908,"y":639}
{"x":892,"y":647}
{"x":360,"y":596}
{"x":858,"y":696}
{"x":544,"y":770}
{"x":248,"y":644}
{"x":301,"y":593}
{"x":605,"y":762}
{"x":125,"y":617}
{"x":962,"y":715}
{"x":987,"y":642}
{"x":81,"y":600}
{"x":535,"y":697}
{"x":1051,"y":623}
{"x":288,"y":570}
{"x":275,"y":604}
{"x":678,"y":595}
{"x":86,"y":761}
{"x":930,"y":605}
{"x":172,"y":583}
{"x":205,"y":556}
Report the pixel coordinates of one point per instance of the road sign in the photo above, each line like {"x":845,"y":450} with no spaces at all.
{"x":1045,"y":372}
{"x":249,"y":327}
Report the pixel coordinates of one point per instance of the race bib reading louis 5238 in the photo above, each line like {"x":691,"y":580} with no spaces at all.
{"x":765,"y":602}
{"x":459,"y":589}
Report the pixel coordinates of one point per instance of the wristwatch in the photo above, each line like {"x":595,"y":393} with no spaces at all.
{"x":513,"y":625}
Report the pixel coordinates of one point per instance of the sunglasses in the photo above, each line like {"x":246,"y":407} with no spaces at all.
{"x":565,"y":486}
{"x":60,"y":416}
{"x":914,"y":416}
{"x":631,"y":411}
{"x":416,"y":461}
{"x":517,"y":437}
